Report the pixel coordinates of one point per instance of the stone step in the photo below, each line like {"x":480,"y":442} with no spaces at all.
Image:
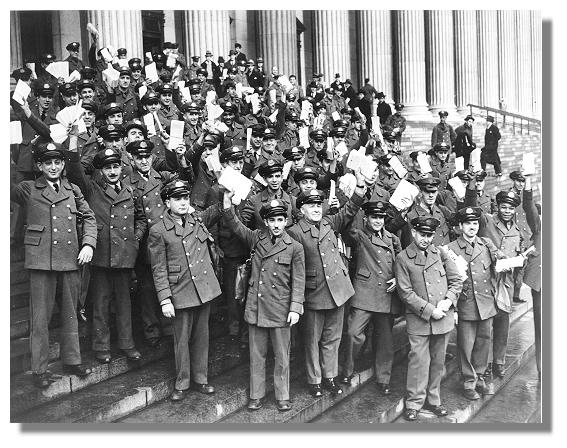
{"x":366,"y":405}
{"x":519,"y":401}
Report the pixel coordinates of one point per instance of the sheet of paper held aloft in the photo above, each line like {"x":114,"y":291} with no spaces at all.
{"x":156,"y":120}
{"x":528,"y":163}
{"x":75,"y":76}
{"x":459,"y":164}
{"x":397,"y":166}
{"x":58,"y":69}
{"x":273,"y":117}
{"x":286,"y":169}
{"x":336,"y":116}
{"x":423,"y":161}
{"x":214,"y":111}
{"x":458,"y":187}
{"x":341,"y":148}
{"x":272,"y":94}
{"x":171,"y":60}
{"x":332,"y":190}
{"x":31,"y":66}
{"x":213,"y":161}
{"x":403,"y":195}
{"x":284,"y":81}
{"x":238,"y":89}
{"x":304,"y":137}
{"x":122,"y":63}
{"x":21,"y":92}
{"x":151,"y":73}
{"x":177,"y":74}
{"x":186,"y":94}
{"x":358,"y":161}
{"x":58,"y":132}
{"x":150,"y":125}
{"x":318,"y":122}
{"x":306,"y":108}
{"x":218,"y":125}
{"x":330,"y":148}
{"x":111,"y":76}
{"x":347,"y":184}
{"x":247,"y":91}
{"x":15,"y":132}
{"x":255,"y":101}
{"x":475,"y":160}
{"x":106,"y":55}
{"x":260,"y":180}
{"x":248,"y":137}
{"x":70,"y":114}
{"x":234,"y":181}
{"x":176,"y":129}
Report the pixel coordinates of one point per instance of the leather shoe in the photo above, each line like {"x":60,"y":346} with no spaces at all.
{"x":344,"y":379}
{"x":471,"y":394}
{"x":103,"y":357}
{"x":283,"y":405}
{"x":439,"y":411}
{"x":254,"y":404}
{"x":177,"y":395}
{"x":331,"y":386}
{"x":488,"y":372}
{"x":499,"y":370}
{"x":76,"y":369}
{"x":384,"y":388}
{"x":43,"y":380}
{"x":411,"y":415}
{"x":206,"y":389}
{"x":315,"y":390}
{"x":132,"y":354}
{"x":484,"y":387}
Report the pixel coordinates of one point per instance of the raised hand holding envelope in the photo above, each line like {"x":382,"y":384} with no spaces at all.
{"x":21,"y":92}
{"x":403,"y":195}
{"x":528,"y":163}
{"x":151,"y":72}
{"x":423,"y":161}
{"x":397,"y":166}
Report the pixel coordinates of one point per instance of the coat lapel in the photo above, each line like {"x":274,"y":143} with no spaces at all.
{"x":280,"y":245}
{"x":432,"y":257}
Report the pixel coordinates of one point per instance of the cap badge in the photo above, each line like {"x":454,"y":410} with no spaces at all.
{"x":271,"y":162}
{"x":274,"y":203}
{"x":143,"y":145}
{"x":108,"y":152}
{"x":468,"y":211}
{"x":51,"y":146}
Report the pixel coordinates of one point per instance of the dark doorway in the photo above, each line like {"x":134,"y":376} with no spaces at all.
{"x":36,"y":33}
{"x":152,"y":30}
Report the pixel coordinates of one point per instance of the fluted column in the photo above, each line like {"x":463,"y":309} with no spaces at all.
{"x":466,"y":59}
{"x":536,"y":62}
{"x":331,"y":44}
{"x":440,"y":62}
{"x":16,"y":59}
{"x":409,"y":33}
{"x":507,"y":59}
{"x":120,"y":29}
{"x":523,"y":50}
{"x":277,"y":40}
{"x":488,"y":58}
{"x":375,"y":43}
{"x":208,"y":30}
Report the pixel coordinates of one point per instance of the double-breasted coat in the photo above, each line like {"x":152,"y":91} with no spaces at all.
{"x":490,"y":150}
{"x":250,"y":213}
{"x":443,"y":133}
{"x":422,"y":281}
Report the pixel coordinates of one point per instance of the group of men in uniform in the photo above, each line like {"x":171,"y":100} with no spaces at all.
{"x":325,"y":248}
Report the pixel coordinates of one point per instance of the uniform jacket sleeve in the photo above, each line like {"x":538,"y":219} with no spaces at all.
{"x":250,"y":237}
{"x":532,"y":216}
{"x":211,"y":215}
{"x":454,"y":280}
{"x":157,"y":250}
{"x":344,"y":217}
{"x":297,"y":279}
{"x":89,"y":220}
{"x":415,"y":303}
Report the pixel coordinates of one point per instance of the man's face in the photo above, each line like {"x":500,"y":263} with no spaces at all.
{"x":442,"y":119}
{"x":237,"y":49}
{"x":112,"y":172}
{"x":114,"y":143}
{"x":87,"y":93}
{"x":44,"y":101}
{"x":51,"y":168}
{"x":71,"y":100}
{"x":307,"y":184}
{"x":256,"y":141}
{"x":236,"y":164}
{"x":292,"y":80}
{"x":313,"y":212}
{"x":207,"y":151}
{"x":519,"y":184}
{"x":274,"y":180}
{"x":469,"y":123}
{"x":231,"y":90}
{"x":276,"y":224}
{"x":134,"y":135}
{"x":292,"y":125}
{"x":387,"y":169}
{"x":318,"y":145}
{"x":357,"y":125}
{"x":375,"y":222}
{"x":269,"y":144}
{"x":201,"y":77}
{"x":136,"y":74}
{"x":74,"y":54}
{"x":441,"y":155}
{"x":415,"y":165}
{"x":153,"y":106}
{"x":208,"y":58}
{"x":143,"y":163}
{"x":480,"y":185}
{"x":337,"y":139}
{"x":228,"y":119}
{"x":89,"y":118}
{"x":429,"y":197}
{"x":124,"y":82}
{"x":179,"y":206}
{"x":191,"y":117}
{"x":469,"y":228}
{"x":115,"y":118}
{"x":166,"y":98}
{"x":422,"y":240}
{"x":298,"y":162}
{"x":381,"y":100}
{"x":488,"y":124}
{"x":506,"y":212}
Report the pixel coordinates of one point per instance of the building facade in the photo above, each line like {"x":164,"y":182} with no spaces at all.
{"x":427,"y":60}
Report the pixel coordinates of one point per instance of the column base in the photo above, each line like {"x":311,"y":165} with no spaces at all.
{"x":417,"y":112}
{"x":464,"y":110}
{"x":436,"y":108}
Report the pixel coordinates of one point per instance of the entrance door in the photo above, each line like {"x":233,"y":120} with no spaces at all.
{"x":152,"y":30}
{"x":37,"y":36}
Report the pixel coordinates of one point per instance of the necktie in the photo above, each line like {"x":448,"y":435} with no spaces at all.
{"x":117,"y":188}
{"x":42,"y":115}
{"x":56,"y":187}
{"x":273,"y":240}
{"x":183,"y":221}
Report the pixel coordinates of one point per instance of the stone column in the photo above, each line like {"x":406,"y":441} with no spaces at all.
{"x":277,"y":40}
{"x":16,"y":58}
{"x":523,"y":50}
{"x":409,"y":33}
{"x":536,"y":62}
{"x":466,"y":59}
{"x":488,"y":58}
{"x":65,"y":28}
{"x":507,"y":60}
{"x":331,"y":44}
{"x":375,"y":43}
{"x":119,"y":29}
{"x":440,"y":61}
{"x":208,"y":30}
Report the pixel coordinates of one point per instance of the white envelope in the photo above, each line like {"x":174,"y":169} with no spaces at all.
{"x":404,"y":195}
{"x":375,"y":124}
{"x":318,"y":122}
{"x":21,"y":92}
{"x":156,"y":120}
{"x":528,"y":163}
{"x":284,"y":81}
{"x":475,"y":160}
{"x":273,"y":116}
{"x":149,"y":55}
{"x":272,"y":94}
{"x":304,"y":137}
{"x":151,"y":73}
{"x":69,"y":114}
{"x":174,"y":142}
{"x":459,"y":164}
{"x":91,"y":29}
{"x":75,"y":76}
{"x":234,"y":181}
{"x":423,"y":161}
{"x":180,"y":84}
{"x":336,"y":116}
{"x":506,"y":263}
{"x":214,"y":111}
{"x":15,"y":132}
{"x":332,"y":190}
{"x":106,"y":55}
{"x":347,"y":184}
{"x":58,"y":133}
{"x":58,"y":69}
{"x":397,"y":166}
{"x":239,"y":89}
{"x":171,"y":60}
{"x":247,"y":90}
{"x":122,"y":63}
{"x":458,"y":187}
{"x":460,"y":262}
{"x":176,"y":129}
{"x":186,"y":94}
{"x":111,"y":76}
{"x":260,"y":180}
{"x":342,"y":149}
{"x":306,"y":108}
{"x":211,"y":95}
{"x":142,"y":91}
{"x":220,"y":126}
{"x":31,"y":66}
{"x":149,"y":122}
{"x":81,"y":126}
{"x":248,"y":137}
{"x":330,"y":147}
{"x":255,"y":101}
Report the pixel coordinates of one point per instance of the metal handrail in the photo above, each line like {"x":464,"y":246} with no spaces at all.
{"x":535,"y":123}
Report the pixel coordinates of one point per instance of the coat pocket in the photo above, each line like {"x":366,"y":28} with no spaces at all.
{"x":33,"y":234}
{"x":284,"y":259}
{"x":174,"y":268}
{"x":173,"y":278}
{"x":363,"y":274}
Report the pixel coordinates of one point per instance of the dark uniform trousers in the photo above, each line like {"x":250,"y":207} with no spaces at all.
{"x":42,"y":299}
{"x":427,"y":354}
{"x":383,"y":341}
{"x":500,"y":330}
{"x":146,"y":296}
{"x":191,"y":329}
{"x":281,"y":344}
{"x":235,"y":311}
{"x":322,"y":331}
{"x":536,"y":297}
{"x":473,"y":342}
{"x":107,"y":284}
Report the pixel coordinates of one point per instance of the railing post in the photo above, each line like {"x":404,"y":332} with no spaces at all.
{"x":470,"y":108}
